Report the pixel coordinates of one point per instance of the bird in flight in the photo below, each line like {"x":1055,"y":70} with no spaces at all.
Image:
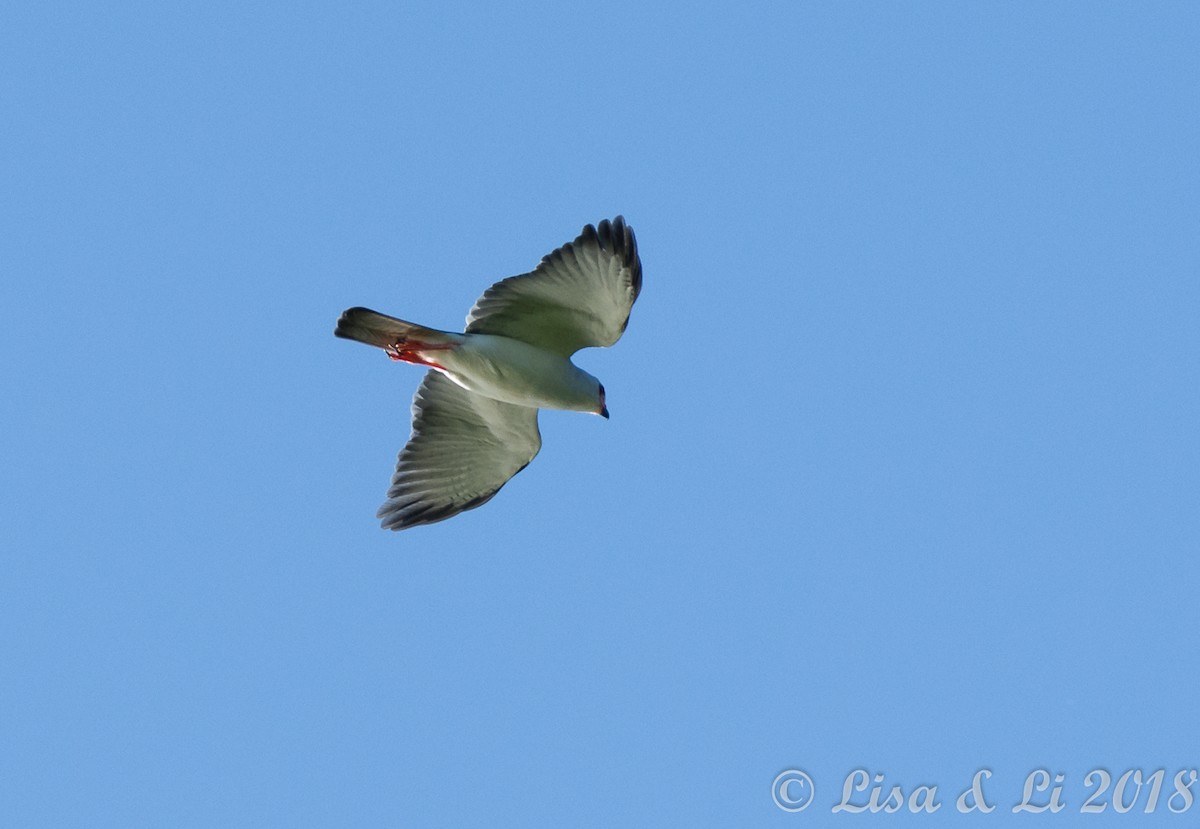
{"x":475,"y":413}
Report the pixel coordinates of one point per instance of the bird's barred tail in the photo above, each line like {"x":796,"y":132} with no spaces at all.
{"x":374,"y":328}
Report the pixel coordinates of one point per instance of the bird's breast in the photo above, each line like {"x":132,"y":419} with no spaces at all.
{"x":516,"y":372}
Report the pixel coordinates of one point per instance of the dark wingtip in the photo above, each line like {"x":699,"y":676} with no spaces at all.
{"x":617,"y":236}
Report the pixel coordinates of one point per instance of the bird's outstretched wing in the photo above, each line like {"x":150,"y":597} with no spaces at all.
{"x":463,"y":448}
{"x":579,"y":296}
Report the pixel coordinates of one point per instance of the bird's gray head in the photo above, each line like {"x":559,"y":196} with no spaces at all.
{"x":603,"y":412}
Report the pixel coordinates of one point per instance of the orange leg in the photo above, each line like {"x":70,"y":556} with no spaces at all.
{"x":408,"y":351}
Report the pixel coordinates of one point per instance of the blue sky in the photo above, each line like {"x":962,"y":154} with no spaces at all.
{"x":903,"y":467}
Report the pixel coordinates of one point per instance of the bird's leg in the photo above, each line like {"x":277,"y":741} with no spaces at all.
{"x":407,"y":351}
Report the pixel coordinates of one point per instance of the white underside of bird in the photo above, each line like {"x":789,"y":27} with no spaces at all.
{"x":475,"y":414}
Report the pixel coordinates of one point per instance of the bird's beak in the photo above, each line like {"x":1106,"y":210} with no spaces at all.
{"x":604,"y":412}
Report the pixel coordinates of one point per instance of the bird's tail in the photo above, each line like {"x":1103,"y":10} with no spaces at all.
{"x":373,"y":328}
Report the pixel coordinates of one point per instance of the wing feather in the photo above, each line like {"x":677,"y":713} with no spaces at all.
{"x":579,"y":296}
{"x":464,"y":447}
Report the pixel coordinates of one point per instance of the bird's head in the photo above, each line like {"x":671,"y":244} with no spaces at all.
{"x":603,"y":410}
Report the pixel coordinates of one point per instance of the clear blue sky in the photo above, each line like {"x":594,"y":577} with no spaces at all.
{"x":903,"y":471}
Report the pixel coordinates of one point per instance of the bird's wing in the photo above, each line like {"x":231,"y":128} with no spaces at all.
{"x":463,"y":448}
{"x":580,"y":295}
